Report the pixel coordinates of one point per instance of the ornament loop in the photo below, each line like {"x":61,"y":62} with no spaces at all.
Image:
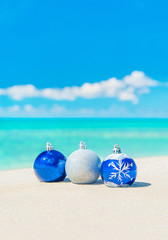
{"x":82,"y":145}
{"x":116,"y":149}
{"x":49,"y":146}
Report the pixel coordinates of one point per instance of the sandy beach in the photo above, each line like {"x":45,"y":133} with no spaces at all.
{"x":34,"y":210}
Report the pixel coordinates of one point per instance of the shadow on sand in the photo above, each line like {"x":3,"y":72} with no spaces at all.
{"x":140,"y":184}
{"x":134,"y":185}
{"x":98,"y":182}
{"x":66,"y":180}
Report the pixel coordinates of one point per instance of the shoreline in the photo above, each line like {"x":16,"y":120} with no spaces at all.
{"x":35,"y":210}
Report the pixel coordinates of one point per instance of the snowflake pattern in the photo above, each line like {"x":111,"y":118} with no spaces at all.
{"x":122,"y":170}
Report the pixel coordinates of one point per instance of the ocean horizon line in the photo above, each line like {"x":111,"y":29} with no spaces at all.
{"x":90,"y":118}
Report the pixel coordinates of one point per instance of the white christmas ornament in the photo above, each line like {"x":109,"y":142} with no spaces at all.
{"x":83,"y":166}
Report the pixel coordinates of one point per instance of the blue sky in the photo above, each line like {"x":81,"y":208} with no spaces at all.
{"x":83,"y":58}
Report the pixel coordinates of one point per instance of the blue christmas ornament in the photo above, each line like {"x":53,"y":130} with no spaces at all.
{"x":83,"y":166}
{"x":118,"y":169}
{"x":49,"y":166}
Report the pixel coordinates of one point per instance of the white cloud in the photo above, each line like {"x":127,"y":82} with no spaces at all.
{"x":44,"y":111}
{"x":128,"y":95}
{"x":56,"y":109}
{"x":115,"y":110}
{"x":18,"y":92}
{"x":13,"y":109}
{"x":127,"y":89}
{"x":28,"y":108}
{"x":138,"y":79}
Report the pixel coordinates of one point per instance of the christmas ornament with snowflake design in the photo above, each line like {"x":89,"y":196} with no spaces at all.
{"x":118,"y":169}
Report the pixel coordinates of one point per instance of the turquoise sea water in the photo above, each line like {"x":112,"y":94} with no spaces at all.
{"x":21,"y":140}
